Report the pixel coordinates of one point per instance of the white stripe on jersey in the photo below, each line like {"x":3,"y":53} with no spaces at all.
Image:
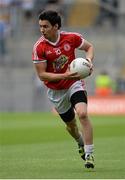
{"x":35,"y":46}
{"x":78,"y":34}
{"x":81,"y":44}
{"x":65,"y":32}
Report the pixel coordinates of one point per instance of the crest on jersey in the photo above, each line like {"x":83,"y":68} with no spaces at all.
{"x":67,"y":47}
{"x":57,"y":51}
{"x":48,"y":52}
{"x":59,"y":63}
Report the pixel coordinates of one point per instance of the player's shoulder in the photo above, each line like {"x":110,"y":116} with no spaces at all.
{"x":39,"y":42}
{"x":69,"y":33}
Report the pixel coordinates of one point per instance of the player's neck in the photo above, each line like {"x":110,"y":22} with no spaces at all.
{"x":54,"y":38}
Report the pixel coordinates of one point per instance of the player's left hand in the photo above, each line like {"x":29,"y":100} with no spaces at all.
{"x":91,"y":67}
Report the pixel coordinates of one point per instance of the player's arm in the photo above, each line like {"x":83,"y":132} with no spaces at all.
{"x":47,"y":76}
{"x":88,"y":48}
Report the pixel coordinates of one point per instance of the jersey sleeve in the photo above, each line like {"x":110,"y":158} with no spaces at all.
{"x":38,"y":54}
{"x":78,"y":40}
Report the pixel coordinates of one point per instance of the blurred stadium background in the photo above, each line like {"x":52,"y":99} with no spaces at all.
{"x":101,"y":22}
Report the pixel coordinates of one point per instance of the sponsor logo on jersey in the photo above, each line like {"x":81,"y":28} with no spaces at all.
{"x":59,"y":63}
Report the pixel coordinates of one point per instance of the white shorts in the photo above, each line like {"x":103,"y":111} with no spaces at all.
{"x":61,"y":98}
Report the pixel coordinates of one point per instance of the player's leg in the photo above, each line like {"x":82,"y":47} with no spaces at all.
{"x":79,"y":101}
{"x":72,"y":128}
{"x":63,"y":106}
{"x":87,"y":133}
{"x":81,"y":110}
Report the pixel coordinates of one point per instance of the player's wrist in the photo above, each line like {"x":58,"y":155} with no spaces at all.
{"x":64,"y":76}
{"x":89,"y":60}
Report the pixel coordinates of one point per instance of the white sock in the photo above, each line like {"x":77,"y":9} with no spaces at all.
{"x":89,"y":149}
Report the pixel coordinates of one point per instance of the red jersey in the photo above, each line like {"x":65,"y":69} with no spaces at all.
{"x":58,"y":55}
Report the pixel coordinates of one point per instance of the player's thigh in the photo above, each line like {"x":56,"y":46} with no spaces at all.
{"x":68,"y":116}
{"x":79,"y":102}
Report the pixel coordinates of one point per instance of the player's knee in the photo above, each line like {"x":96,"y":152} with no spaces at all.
{"x":82,"y":115}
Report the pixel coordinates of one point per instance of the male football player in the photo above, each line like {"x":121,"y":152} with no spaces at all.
{"x":52,"y":54}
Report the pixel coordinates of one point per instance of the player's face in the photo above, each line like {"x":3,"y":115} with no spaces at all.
{"x":47,"y":30}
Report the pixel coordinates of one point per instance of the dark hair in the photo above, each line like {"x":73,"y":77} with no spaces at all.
{"x":52,"y":16}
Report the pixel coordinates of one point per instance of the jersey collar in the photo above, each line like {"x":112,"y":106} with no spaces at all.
{"x":54,"y":43}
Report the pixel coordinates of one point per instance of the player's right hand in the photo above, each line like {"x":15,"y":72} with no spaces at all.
{"x":69,"y":75}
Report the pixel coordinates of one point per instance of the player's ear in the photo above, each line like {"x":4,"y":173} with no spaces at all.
{"x":56,"y":26}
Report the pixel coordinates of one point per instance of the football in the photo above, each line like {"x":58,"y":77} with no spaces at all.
{"x":81,"y":66}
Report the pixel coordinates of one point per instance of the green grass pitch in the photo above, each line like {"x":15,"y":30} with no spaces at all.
{"x":37,"y":146}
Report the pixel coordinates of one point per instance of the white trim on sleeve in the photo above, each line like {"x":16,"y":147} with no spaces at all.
{"x":39,"y":61}
{"x":81,"y":43}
